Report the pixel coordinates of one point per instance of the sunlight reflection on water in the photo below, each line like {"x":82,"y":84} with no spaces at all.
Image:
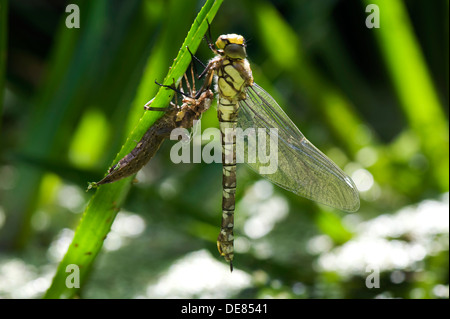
{"x":394,"y":241}
{"x":198,"y":275}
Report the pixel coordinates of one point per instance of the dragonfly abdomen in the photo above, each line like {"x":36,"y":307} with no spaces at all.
{"x":231,"y":82}
{"x":225,"y":241}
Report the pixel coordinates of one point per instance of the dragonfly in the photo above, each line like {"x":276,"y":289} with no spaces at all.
{"x":194,"y":104}
{"x":301,"y":167}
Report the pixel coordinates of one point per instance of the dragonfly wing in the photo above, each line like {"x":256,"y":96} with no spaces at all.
{"x":301,"y":167}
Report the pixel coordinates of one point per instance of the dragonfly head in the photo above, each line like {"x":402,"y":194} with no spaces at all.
{"x":232,"y":46}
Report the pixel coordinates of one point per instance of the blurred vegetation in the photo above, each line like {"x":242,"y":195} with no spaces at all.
{"x":374,"y":100}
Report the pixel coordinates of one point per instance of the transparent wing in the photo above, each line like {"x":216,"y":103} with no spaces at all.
{"x":299,"y":166}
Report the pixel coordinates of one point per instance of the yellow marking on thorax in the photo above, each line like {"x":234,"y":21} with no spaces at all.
{"x":233,"y":77}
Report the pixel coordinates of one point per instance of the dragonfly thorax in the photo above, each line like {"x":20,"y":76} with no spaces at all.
{"x":233,"y":76}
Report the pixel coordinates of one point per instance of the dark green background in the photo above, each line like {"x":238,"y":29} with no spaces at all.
{"x":374,"y":100}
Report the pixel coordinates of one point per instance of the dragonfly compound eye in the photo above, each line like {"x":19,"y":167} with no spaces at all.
{"x":235,"y":51}
{"x":233,"y":46}
{"x":225,"y":39}
{"x":228,"y":39}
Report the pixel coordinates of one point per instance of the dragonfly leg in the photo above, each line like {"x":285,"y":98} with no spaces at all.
{"x":193,"y":57}
{"x":159,"y":109}
{"x":172,"y":87}
{"x":147,"y":106}
{"x":208,"y":38}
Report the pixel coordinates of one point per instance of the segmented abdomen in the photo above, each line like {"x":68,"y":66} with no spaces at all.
{"x":232,"y":78}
